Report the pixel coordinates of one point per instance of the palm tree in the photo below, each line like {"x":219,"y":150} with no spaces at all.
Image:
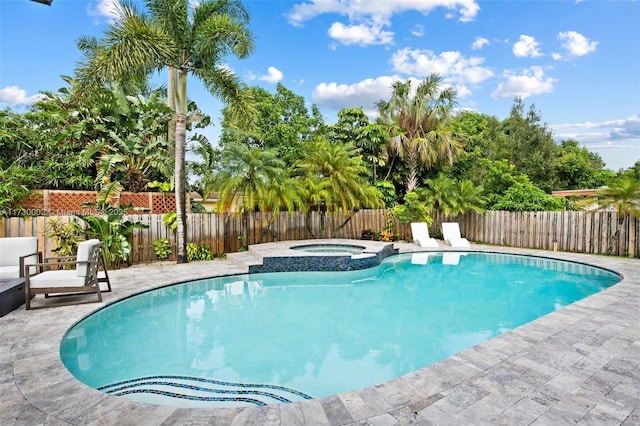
{"x":622,"y":194}
{"x":184,"y":41}
{"x":332,"y":176}
{"x":419,"y":125}
{"x":254,"y":179}
{"x":206,"y":169}
{"x":452,"y":197}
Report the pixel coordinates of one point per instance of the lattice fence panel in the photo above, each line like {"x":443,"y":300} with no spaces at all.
{"x":162,"y":203}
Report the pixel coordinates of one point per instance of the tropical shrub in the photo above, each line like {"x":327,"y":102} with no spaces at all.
{"x":65,"y":236}
{"x":109,"y":228}
{"x":199,"y":252}
{"x":524,"y":196}
{"x":162,"y":248}
{"x":169,"y":219}
{"x":412,"y":210}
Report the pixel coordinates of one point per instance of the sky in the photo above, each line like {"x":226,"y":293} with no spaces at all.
{"x":576,"y":62}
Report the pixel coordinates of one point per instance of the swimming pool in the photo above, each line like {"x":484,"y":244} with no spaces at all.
{"x":275,"y":337}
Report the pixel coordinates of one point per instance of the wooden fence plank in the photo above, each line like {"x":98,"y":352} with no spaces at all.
{"x":582,"y":232}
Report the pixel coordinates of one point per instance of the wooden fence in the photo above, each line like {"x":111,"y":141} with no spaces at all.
{"x":581,"y":232}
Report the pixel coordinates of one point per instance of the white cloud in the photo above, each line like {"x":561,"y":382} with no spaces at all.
{"x":103,"y":9}
{"x":453,"y":66}
{"x":617,"y":141}
{"x":531,"y":81}
{"x":479,"y":43}
{"x":361,"y":34}
{"x":273,"y":75}
{"x":355,"y":9}
{"x":575,"y":44}
{"x":368,"y":18}
{"x":15,"y":96}
{"x":417,"y":30}
{"x":626,"y":128}
{"x":365,"y":93}
{"x":527,"y":46}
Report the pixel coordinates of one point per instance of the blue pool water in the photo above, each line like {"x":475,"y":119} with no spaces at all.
{"x":277,"y":337}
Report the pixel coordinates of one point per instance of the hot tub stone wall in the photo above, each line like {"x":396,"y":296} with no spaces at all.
{"x":323,"y":263}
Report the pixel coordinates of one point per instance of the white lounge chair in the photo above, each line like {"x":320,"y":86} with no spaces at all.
{"x":81,"y":280}
{"x":451,"y":235}
{"x":420,"y":234}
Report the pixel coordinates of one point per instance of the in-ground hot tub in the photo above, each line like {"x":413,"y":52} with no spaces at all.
{"x":320,"y":255}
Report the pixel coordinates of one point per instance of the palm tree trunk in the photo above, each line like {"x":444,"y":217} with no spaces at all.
{"x":412,"y":177}
{"x":172,"y":84}
{"x":180,"y":187}
{"x":307,"y":223}
{"x":614,"y":242}
{"x":350,"y":216}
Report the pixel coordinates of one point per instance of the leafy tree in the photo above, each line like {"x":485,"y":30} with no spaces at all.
{"x":483,"y":134}
{"x":438,"y":193}
{"x":529,"y":146}
{"x":632,"y":172}
{"x":15,"y":153}
{"x":16,"y":145}
{"x":185,"y":42}
{"x":135,"y":152}
{"x":388,"y":191}
{"x":353,"y":126}
{"x":14,"y":187}
{"x":283,"y":123}
{"x":419,"y":125}
{"x":412,"y":210}
{"x":65,"y":127}
{"x":58,"y":129}
{"x":523,"y":195}
{"x":577,"y":168}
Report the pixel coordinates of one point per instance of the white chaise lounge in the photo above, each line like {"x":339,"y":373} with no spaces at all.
{"x":420,"y":234}
{"x":451,"y":235}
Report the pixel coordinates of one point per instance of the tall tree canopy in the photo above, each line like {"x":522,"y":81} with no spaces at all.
{"x":283,"y":123}
{"x":529,"y":145}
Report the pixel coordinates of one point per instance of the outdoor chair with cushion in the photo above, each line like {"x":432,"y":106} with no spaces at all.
{"x":420,"y":233}
{"x":15,"y":252}
{"x":451,"y":235}
{"x":81,"y":280}
{"x":103,"y":273}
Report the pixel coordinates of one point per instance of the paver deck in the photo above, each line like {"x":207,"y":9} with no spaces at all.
{"x":578,"y":365}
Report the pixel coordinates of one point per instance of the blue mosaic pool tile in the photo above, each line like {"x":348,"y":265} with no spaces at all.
{"x":205,"y":390}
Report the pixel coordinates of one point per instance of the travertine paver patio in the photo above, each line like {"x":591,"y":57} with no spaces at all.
{"x":578,"y":365}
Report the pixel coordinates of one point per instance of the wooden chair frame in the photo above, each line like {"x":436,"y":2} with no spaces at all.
{"x":90,"y":283}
